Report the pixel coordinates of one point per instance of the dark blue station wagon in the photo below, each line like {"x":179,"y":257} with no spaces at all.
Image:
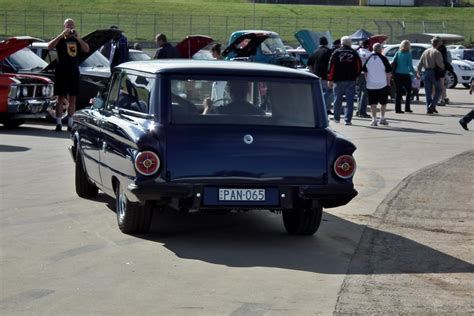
{"x":215,"y":136}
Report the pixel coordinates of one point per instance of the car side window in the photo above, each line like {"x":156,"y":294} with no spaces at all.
{"x":134,"y":93}
{"x":113,"y":92}
{"x":391,"y":52}
{"x":416,"y":52}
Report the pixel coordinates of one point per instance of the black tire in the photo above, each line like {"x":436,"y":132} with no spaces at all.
{"x":132,"y":218}
{"x":84,"y":187}
{"x":452,"y":80}
{"x":466,"y":85}
{"x":302,"y":221}
{"x":12,"y":123}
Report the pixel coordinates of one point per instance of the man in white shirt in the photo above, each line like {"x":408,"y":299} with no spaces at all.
{"x":378,"y":72}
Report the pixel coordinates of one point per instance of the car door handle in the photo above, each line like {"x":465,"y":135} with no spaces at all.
{"x":104,"y":147}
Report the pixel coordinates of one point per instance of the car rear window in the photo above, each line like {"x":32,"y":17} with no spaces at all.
{"x":243,"y":102}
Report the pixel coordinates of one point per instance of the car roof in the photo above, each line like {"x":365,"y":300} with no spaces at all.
{"x":39,"y":44}
{"x":424,"y":45}
{"x":214,"y":67}
{"x":255,"y":31}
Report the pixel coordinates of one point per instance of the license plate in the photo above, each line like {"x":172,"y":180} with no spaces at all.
{"x":241,"y":194}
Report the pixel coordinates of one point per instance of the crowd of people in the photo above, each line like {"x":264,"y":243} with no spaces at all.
{"x":365,"y":74}
{"x":341,"y":68}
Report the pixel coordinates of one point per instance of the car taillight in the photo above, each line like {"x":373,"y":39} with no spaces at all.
{"x":345,"y":166}
{"x":147,"y":163}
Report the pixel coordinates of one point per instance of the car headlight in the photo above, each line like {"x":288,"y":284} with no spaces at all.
{"x":464,"y":68}
{"x":50,"y":90}
{"x":44,"y":90}
{"x":14,"y":91}
{"x":24,"y":91}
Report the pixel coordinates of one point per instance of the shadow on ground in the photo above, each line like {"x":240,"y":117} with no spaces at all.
{"x":38,"y":131}
{"x":258,"y":239}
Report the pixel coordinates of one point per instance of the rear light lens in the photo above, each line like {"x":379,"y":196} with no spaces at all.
{"x":147,"y":163}
{"x":345,"y":166}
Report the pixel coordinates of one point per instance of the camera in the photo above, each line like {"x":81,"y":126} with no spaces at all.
{"x":72,"y":32}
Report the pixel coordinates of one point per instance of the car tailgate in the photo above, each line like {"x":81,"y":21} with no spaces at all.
{"x":273,"y":154}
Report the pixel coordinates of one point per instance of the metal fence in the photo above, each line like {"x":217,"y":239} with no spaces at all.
{"x":144,"y":27}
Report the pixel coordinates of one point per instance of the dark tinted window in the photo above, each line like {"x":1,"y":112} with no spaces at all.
{"x":391,"y":52}
{"x":468,"y":54}
{"x":243,"y":101}
{"x":416,"y":52}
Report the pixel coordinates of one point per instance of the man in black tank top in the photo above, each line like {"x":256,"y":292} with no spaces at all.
{"x":68,"y":45}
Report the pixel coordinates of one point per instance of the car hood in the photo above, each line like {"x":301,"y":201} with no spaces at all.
{"x":379,"y":38}
{"x":14,"y":44}
{"x":95,"y":40}
{"x":462,"y":63}
{"x":309,"y":40}
{"x":27,"y":78}
{"x":192,"y":44}
{"x":254,"y":40}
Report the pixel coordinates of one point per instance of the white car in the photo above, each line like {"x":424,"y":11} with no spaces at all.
{"x":463,"y":71}
{"x":96,"y":65}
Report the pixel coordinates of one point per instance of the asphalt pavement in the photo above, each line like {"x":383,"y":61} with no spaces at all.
{"x":404,"y":245}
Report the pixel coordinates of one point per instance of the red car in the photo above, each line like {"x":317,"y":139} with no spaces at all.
{"x":23,"y":96}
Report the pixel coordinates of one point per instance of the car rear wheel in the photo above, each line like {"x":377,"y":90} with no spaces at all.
{"x":451,"y":80}
{"x":302,"y":221}
{"x":84,"y":186}
{"x":132,"y":217}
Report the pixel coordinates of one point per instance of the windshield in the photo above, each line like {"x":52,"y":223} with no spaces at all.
{"x":95,"y":60}
{"x":26,"y":60}
{"x":243,"y":101}
{"x":273,"y":45}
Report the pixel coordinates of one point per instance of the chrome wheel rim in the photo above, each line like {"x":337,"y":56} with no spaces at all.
{"x":450,"y":80}
{"x":121,"y":206}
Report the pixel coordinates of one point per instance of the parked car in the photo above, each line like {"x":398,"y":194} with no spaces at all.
{"x":470,"y":63}
{"x":309,"y":41}
{"x":301,"y":56}
{"x":26,"y":61}
{"x":258,"y":46}
{"x":22,"y":96}
{"x":193,"y":44}
{"x":96,"y":66}
{"x":463,"y":72}
{"x":147,"y":143}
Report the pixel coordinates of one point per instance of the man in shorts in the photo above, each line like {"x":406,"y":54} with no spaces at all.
{"x":378,"y":72}
{"x":68,"y":45}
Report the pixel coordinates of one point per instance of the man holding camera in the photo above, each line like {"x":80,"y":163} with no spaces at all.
{"x":68,"y":44}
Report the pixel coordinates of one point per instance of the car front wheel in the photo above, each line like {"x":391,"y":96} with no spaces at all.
{"x":302,"y":221}
{"x":132,"y":217}
{"x":84,"y":187}
{"x":451,"y":80}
